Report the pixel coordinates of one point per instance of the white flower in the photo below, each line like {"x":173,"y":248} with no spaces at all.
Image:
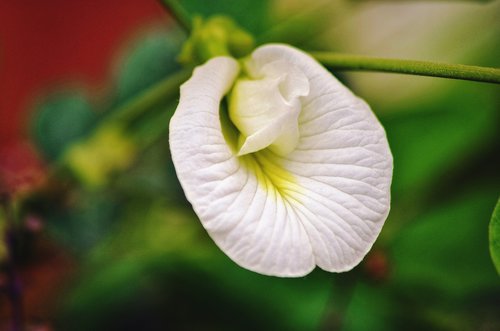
{"x":306,"y":181}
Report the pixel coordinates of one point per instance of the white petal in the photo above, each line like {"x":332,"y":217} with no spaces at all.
{"x":323,"y":204}
{"x":342,"y":163}
{"x":239,"y":207}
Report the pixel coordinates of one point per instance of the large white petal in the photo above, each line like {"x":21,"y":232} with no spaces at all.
{"x":323,"y":204}
{"x":248,"y":220}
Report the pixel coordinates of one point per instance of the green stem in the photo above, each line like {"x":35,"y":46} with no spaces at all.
{"x":179,"y":13}
{"x":297,"y":29}
{"x":421,"y":68}
{"x":154,"y":127}
{"x":163,"y":90}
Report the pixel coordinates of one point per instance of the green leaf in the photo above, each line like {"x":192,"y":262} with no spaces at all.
{"x":133,"y":294}
{"x":153,"y":175}
{"x":369,"y":309}
{"x":60,"y":120}
{"x":161,"y":265}
{"x":294,"y":303}
{"x":149,"y":59}
{"x":252,"y":15}
{"x":494,"y":235}
{"x":85,"y":222}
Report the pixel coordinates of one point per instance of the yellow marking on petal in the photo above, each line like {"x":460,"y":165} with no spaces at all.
{"x":266,"y":166}
{"x":270,"y":172}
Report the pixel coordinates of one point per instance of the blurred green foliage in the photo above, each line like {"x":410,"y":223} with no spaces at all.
{"x":432,"y":137}
{"x":258,"y":17}
{"x":494,"y":235}
{"x":3,"y":228}
{"x":252,"y":15}
{"x":61,"y":119}
{"x":439,"y":250}
{"x":150,"y":59}
{"x":146,"y":263}
{"x":178,"y":271}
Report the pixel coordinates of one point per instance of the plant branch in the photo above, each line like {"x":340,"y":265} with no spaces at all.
{"x":179,"y":13}
{"x":152,"y":96}
{"x":13,"y":286}
{"x":340,"y":61}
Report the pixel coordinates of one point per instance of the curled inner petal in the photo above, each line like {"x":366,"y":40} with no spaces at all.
{"x":265,"y":107}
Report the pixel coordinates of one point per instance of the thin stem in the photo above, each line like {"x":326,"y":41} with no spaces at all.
{"x":421,"y":68}
{"x":179,"y":13}
{"x":162,"y":91}
{"x":14,"y":288}
{"x":296,"y":29}
{"x":154,"y":127}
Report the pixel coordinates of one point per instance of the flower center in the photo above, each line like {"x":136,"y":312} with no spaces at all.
{"x":265,"y":105}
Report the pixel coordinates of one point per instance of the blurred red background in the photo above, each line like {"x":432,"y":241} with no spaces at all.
{"x":45,"y":43}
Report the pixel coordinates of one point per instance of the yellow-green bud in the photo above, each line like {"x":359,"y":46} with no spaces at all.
{"x":215,"y":36}
{"x":93,"y":160}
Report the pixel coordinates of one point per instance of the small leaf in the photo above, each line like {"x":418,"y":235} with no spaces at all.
{"x":495,"y":236}
{"x":152,"y":58}
{"x":60,"y":120}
